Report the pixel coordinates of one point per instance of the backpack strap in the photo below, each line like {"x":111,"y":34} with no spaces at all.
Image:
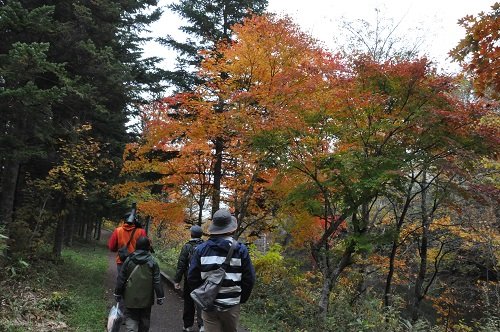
{"x":193,"y":245}
{"x":131,"y":236}
{"x":227,"y":261}
{"x":130,"y":276}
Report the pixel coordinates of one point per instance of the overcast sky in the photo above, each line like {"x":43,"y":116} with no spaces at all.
{"x":437,"y":19}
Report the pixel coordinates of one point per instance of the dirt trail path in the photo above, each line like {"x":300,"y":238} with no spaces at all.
{"x":164,"y":318}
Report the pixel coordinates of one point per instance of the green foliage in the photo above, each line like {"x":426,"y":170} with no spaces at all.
{"x":210,"y":22}
{"x":306,"y":196}
{"x":268,"y":309}
{"x":167,"y":258}
{"x":489,"y":323}
{"x":71,"y":74}
{"x":367,"y":314}
{"x":58,"y":301}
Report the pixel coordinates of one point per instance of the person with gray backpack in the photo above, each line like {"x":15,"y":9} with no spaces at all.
{"x":221,"y":250}
{"x":137,"y":283}
{"x":181,"y":273}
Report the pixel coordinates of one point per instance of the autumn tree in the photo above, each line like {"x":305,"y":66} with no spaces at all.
{"x":209,"y":23}
{"x":164,"y":167}
{"x":479,"y":52}
{"x":343,"y":136}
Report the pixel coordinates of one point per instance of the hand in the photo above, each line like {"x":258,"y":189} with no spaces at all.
{"x":177,"y":285}
{"x":160,"y":300}
{"x":117,"y":297}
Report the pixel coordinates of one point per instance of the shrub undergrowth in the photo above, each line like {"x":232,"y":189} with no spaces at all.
{"x":50,"y":295}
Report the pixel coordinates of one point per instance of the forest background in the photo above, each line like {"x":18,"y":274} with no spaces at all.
{"x":365,"y":179}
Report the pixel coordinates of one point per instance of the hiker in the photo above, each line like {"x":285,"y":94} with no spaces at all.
{"x":137,"y":282}
{"x":181,"y":273}
{"x":238,"y":281}
{"x":125,"y":235}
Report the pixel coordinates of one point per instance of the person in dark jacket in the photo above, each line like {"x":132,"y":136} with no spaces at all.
{"x":137,"y":282}
{"x":181,"y":273}
{"x":238,"y":281}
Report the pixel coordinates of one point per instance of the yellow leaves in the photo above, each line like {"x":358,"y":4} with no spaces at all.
{"x":305,"y":229}
{"x":127,"y":188}
{"x":79,"y":159}
{"x":269,"y":265}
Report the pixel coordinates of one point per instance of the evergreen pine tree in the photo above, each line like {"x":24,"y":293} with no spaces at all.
{"x":209,"y":22}
{"x":86,"y":67}
{"x":31,"y":83}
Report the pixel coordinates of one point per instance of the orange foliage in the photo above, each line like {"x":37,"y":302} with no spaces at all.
{"x":479,"y":51}
{"x":306,"y":229}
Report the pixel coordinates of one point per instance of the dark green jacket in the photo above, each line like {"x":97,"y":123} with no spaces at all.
{"x":145,"y":280}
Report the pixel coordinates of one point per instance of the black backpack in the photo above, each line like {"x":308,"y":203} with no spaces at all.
{"x":192,"y":249}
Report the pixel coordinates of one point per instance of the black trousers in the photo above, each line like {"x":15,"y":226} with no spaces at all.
{"x":190,"y":309}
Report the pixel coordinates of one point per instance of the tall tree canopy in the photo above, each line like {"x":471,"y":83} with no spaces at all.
{"x":209,"y":22}
{"x":323,"y":143}
{"x":65,"y":65}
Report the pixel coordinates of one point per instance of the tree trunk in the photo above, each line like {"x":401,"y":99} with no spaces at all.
{"x":70,"y":229}
{"x":326,"y":289}
{"x":422,"y":271}
{"x":9,"y":186}
{"x":90,"y":229}
{"x":98,"y":226}
{"x":330,"y":280}
{"x":219,"y":147}
{"x":390,"y":274}
{"x":59,"y":232}
{"x":59,"y":237}
{"x":392,"y":256}
{"x":201,"y":204}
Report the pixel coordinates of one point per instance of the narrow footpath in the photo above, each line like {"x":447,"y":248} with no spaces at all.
{"x":164,"y":318}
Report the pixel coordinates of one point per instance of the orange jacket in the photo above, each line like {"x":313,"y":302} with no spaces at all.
{"x":120,"y":237}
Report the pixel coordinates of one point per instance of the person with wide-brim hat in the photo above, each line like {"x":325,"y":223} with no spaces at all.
{"x":238,"y":281}
{"x":223,"y":223}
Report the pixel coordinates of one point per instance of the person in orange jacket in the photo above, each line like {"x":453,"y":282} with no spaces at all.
{"x":128,"y":232}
